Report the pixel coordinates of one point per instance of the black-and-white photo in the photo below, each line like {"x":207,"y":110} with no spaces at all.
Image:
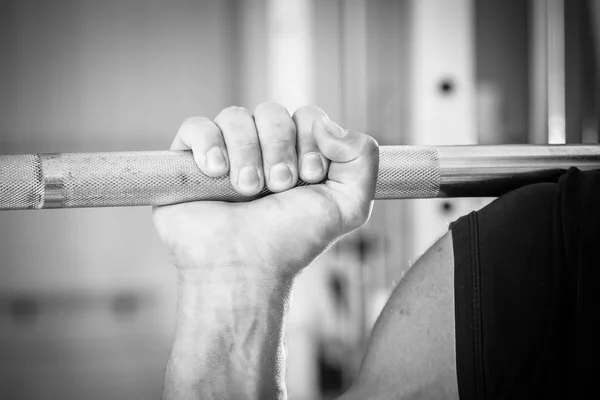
{"x":299,"y":199}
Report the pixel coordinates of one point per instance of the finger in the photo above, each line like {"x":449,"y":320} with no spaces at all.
{"x":205,"y":140}
{"x":352,"y":175}
{"x":277,"y":136}
{"x":243,"y":150}
{"x":313,"y":165}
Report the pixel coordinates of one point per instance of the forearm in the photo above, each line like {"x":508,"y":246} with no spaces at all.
{"x":228,"y":342}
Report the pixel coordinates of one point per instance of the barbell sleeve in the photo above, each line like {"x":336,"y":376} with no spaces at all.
{"x":72,"y":180}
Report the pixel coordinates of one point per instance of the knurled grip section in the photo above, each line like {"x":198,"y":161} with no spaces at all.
{"x":21,"y":182}
{"x":169,"y":177}
{"x":408,"y":172}
{"x":142,"y":178}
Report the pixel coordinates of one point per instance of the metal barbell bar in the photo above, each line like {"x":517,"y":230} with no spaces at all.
{"x":71,"y":180}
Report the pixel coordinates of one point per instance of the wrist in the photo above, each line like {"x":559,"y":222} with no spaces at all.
{"x":233,"y":287}
{"x":230,"y":334}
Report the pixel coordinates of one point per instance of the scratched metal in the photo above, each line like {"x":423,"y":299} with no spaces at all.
{"x":169,"y":177}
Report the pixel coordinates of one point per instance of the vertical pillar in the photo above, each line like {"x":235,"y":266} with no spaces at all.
{"x":290,"y":76}
{"x":442,"y":101}
{"x":253,"y":53}
{"x":538,"y":76}
{"x":556,"y":72}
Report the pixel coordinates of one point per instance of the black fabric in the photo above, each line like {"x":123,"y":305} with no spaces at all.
{"x":527,"y":269}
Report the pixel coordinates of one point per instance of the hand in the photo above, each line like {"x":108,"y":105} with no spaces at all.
{"x":277,"y":235}
{"x":237,"y":261}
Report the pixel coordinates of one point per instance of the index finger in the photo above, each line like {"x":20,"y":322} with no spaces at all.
{"x":205,"y":139}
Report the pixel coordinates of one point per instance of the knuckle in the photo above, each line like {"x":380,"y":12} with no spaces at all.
{"x":281,"y":130}
{"x":245,"y":149}
{"x":274,"y":124}
{"x":268,"y":108}
{"x":198,"y":131}
{"x":282,"y":124}
{"x":274,"y":117}
{"x":303,"y":118}
{"x":232,"y":113}
{"x":237,"y":127}
{"x":236,"y":110}
{"x":196,"y":122}
{"x":371,"y":147}
{"x":372,"y":142}
{"x":308,"y":111}
{"x":278,"y":151}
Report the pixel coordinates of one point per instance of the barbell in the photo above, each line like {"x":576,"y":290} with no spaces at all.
{"x":145,"y":178}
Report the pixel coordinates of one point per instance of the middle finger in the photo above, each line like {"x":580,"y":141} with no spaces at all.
{"x":243,"y":149}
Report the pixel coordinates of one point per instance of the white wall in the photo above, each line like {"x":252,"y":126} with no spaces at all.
{"x":98,"y":76}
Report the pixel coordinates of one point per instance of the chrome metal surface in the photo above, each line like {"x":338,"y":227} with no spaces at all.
{"x":72,"y":180}
{"x":490,"y":171}
{"x":54,"y":181}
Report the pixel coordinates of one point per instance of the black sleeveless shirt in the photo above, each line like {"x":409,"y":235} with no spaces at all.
{"x":527,"y":290}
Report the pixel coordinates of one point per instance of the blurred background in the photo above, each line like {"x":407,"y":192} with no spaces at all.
{"x":87,"y":296}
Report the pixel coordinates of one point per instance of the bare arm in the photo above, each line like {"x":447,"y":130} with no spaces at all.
{"x":224,"y":348}
{"x":237,"y":261}
{"x":411,"y":352}
{"x":222,"y":351}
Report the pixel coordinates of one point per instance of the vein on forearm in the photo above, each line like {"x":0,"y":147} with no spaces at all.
{"x":229,"y":343}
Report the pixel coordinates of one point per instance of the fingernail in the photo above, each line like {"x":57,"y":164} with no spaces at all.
{"x":333,"y":128}
{"x":215,"y":159}
{"x":312,"y":166}
{"x":248,"y":178}
{"x":280,"y":174}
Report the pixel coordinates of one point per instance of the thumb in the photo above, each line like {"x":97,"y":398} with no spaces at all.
{"x":353,"y":170}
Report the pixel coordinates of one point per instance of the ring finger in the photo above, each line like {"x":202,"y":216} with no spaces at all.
{"x":277,"y":135}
